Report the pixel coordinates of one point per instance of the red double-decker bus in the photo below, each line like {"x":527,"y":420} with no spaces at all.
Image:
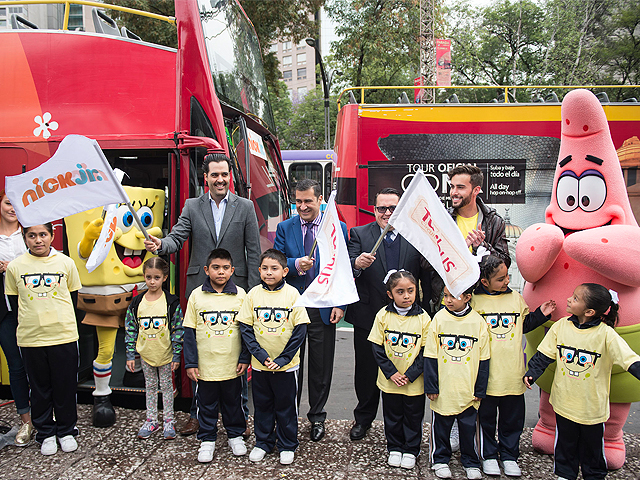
{"x":155,"y":111}
{"x":515,"y":144}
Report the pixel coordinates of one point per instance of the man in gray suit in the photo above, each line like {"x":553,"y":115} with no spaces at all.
{"x":218,"y":219}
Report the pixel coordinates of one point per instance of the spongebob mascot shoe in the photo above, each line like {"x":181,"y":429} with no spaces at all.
{"x":104,"y":415}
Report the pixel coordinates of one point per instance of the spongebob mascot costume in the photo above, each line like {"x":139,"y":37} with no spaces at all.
{"x":107,"y":291}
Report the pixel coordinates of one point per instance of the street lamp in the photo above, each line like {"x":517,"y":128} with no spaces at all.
{"x":313,"y":44}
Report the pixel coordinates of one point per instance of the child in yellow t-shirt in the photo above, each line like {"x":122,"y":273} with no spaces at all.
{"x":585,"y":347}
{"x":274,"y":330}
{"x":456,"y":349}
{"x":398,"y":334}
{"x":508,"y":318}
{"x":215,"y":356}
{"x":42,"y":287}
{"x":154,"y":329}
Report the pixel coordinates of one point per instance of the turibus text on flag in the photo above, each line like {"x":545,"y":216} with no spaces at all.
{"x":423,"y":221}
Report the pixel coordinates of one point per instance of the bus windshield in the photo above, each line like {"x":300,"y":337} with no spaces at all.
{"x":235,"y":58}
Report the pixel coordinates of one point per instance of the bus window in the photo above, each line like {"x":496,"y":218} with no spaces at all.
{"x":299,"y":171}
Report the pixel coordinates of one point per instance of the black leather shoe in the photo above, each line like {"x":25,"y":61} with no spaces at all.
{"x":358,"y":432}
{"x":104,"y":415}
{"x":317,"y":431}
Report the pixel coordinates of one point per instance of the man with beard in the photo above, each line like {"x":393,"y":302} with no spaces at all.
{"x":219,"y":219}
{"x":479,"y":224}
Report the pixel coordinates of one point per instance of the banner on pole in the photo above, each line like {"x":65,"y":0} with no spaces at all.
{"x":334,"y":284}
{"x":443,"y":62}
{"x":423,"y":221}
{"x":76,"y":178}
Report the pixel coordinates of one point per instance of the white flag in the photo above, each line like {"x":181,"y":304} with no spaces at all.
{"x":103,"y":244}
{"x":421,"y":218}
{"x":76,"y":178}
{"x":334,"y":284}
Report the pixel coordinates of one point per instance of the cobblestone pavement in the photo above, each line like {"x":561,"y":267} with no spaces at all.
{"x":117,"y":453}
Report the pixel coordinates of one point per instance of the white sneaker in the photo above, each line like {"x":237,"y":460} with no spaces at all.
{"x":286,"y":457}
{"x":491,"y":467}
{"x":454,"y":437}
{"x":205,"y":454}
{"x":395,"y":459}
{"x":237,"y":446}
{"x":408,"y":461}
{"x":257,"y":454}
{"x":511,"y":468}
{"x":441,"y":470}
{"x":68,"y":443}
{"x":49,"y":446}
{"x":473,"y":473}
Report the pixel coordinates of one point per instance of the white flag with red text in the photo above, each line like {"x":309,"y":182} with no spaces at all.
{"x":334,"y":284}
{"x":76,"y":178}
{"x":422,"y":220}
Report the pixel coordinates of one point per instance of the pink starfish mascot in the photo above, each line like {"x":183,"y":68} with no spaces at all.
{"x":589,"y":235}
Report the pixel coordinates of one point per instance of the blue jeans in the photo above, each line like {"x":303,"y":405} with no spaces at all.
{"x":17,"y":374}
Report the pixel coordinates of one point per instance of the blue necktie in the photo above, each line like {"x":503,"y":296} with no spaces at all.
{"x":387,"y":239}
{"x":308,"y":243}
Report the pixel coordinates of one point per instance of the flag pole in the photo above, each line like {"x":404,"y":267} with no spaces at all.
{"x":384,"y":232}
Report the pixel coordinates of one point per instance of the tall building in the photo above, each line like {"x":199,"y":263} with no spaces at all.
{"x":298,"y":67}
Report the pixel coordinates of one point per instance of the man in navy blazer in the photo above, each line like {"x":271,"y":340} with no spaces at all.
{"x":294,"y":238}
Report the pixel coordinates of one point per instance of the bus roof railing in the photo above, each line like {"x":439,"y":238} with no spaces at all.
{"x":67,"y":4}
{"x":362,"y":89}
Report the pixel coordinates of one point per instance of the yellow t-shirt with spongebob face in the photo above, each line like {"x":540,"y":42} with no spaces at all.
{"x":154,"y":337}
{"x":402,"y":338}
{"x":584,"y":357}
{"x":273,"y":318}
{"x":504,"y":314}
{"x":213,"y":316}
{"x":459,"y":343}
{"x":43,"y":285}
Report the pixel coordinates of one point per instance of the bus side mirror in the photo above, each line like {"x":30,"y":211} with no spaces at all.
{"x":186,"y":142}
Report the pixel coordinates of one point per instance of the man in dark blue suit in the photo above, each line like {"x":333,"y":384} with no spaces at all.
{"x":294,"y":238}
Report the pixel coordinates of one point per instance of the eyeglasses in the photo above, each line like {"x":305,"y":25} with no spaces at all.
{"x":224,"y":318}
{"x":407,"y":340}
{"x":450,"y":342}
{"x":381,"y":210}
{"x":272,"y":314}
{"x":155,"y":322}
{"x":36,"y":279}
{"x":495,"y":320}
{"x":581,"y":357}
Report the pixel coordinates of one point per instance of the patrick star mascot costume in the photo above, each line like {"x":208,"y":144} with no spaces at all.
{"x":589,"y":235}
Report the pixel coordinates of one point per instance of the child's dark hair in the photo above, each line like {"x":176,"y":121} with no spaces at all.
{"x":489,"y":266}
{"x":276,"y":255}
{"x":219,"y":254}
{"x":598,"y":297}
{"x":48,"y":226}
{"x":157,"y":263}
{"x":395,"y":277}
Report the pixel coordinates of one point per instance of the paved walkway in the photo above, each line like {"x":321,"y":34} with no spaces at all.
{"x":116,"y":453}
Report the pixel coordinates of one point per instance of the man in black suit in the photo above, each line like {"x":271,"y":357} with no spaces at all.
{"x":394,"y":253}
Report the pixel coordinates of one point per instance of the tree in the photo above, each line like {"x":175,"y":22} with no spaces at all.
{"x":282,"y":108}
{"x":378,"y":43}
{"x":304,"y":128}
{"x":150,"y":30}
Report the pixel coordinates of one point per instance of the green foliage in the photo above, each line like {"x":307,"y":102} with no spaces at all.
{"x":150,"y":30}
{"x":303,"y":129}
{"x":378,"y":43}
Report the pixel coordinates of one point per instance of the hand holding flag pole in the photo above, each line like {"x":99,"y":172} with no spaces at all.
{"x":379,"y":241}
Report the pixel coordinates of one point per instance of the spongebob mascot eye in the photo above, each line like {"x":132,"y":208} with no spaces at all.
{"x":108,"y":290}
